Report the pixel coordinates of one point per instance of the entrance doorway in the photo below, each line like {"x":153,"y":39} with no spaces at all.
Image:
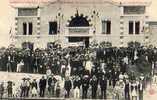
{"x":84,"y":40}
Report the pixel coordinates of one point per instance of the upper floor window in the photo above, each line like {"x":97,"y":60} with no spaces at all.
{"x":134,"y":27}
{"x":24,"y":28}
{"x":30,"y":28}
{"x":27,"y":12}
{"x":134,"y":9}
{"x":106,"y":27}
{"x":27,"y":28}
{"x":131,"y":27}
{"x":137,"y":27}
{"x":52,"y":28}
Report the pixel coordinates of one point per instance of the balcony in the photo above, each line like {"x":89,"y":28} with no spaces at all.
{"x":36,"y":37}
{"x":78,"y":31}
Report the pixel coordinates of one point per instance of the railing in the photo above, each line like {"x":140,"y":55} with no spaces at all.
{"x":34,"y":37}
{"x":78,"y":30}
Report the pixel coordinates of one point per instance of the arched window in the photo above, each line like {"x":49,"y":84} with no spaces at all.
{"x":79,"y":21}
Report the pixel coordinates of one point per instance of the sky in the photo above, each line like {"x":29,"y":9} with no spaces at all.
{"x":7,"y":19}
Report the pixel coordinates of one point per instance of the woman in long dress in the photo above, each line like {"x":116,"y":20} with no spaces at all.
{"x":121,"y":91}
{"x":116,"y":95}
{"x":134,"y":90}
{"x":34,"y":88}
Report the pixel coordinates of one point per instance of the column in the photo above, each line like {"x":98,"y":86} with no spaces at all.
{"x":38,"y":21}
{"x":121,"y":30}
{"x":38,"y":25}
{"x":16,"y":21}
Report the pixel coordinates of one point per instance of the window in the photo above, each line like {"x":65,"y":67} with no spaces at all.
{"x":106,"y":27}
{"x":27,"y":28}
{"x":137,"y":27}
{"x":134,"y":9}
{"x":30,"y":28}
{"x":52,"y":28}
{"x":131,"y":27}
{"x":27,"y":11}
{"x":134,"y":27}
{"x":24,"y":28}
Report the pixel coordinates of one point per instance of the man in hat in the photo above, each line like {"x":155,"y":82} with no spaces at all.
{"x":23,"y":87}
{"x":94,"y":84}
{"x":103,"y":86}
{"x":27,"y":87}
{"x":67,"y":86}
{"x":42,"y":86}
{"x":76,"y":82}
{"x":127,"y":90}
{"x":140,"y":90}
{"x":85,"y":86}
{"x":10,"y":88}
{"x":1,"y":90}
{"x":51,"y":84}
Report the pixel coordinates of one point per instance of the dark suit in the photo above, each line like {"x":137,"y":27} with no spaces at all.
{"x":67,"y":86}
{"x":94,"y":84}
{"x":77,"y":83}
{"x":42,"y":85}
{"x":51,"y":85}
{"x":103,"y":86}
{"x":140,"y":90}
{"x":85,"y":86}
{"x":126,"y":90}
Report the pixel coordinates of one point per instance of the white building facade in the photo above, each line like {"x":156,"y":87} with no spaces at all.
{"x":71,"y":22}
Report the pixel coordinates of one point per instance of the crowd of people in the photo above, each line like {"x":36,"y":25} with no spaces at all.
{"x":94,"y":72}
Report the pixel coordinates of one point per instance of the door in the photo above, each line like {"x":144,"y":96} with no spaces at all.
{"x":85,"y":40}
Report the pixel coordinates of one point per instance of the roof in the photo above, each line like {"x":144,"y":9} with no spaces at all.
{"x":119,"y":2}
{"x":45,"y":1}
{"x":28,"y":1}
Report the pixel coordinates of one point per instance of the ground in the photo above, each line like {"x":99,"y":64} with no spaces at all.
{"x":149,"y":94}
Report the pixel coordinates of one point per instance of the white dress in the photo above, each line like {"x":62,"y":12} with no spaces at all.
{"x":34,"y":91}
{"x":14,"y":91}
{"x":19,"y":67}
{"x":76,"y":93}
{"x":68,"y":71}
{"x":134,"y":92}
{"x":88,"y":66}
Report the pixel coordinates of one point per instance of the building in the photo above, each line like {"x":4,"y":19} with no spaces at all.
{"x":152,"y":33}
{"x":38,"y":23}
